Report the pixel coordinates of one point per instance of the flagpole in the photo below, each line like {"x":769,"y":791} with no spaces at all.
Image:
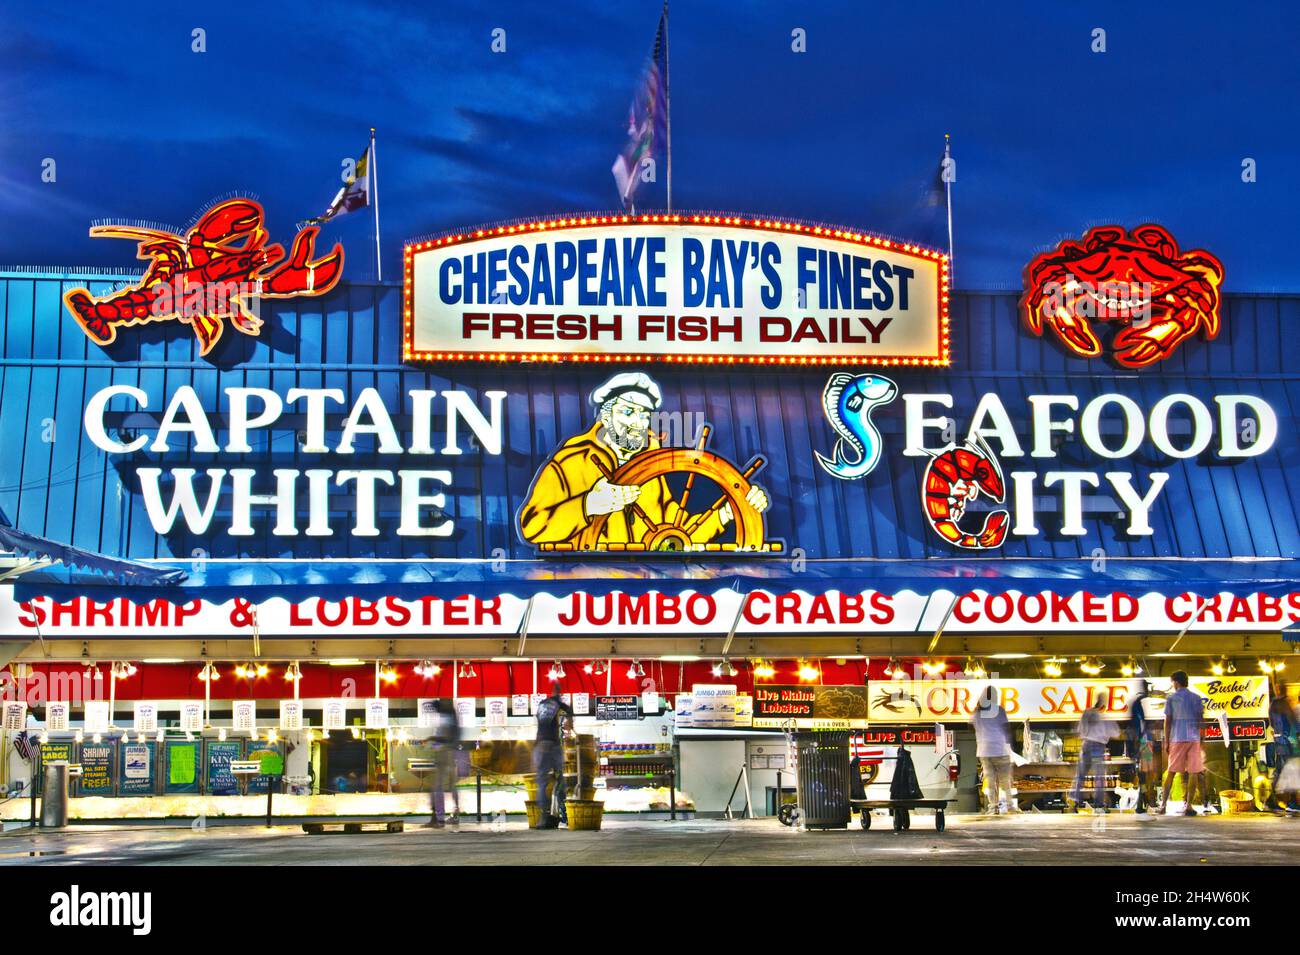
{"x":947,"y":182}
{"x":668,"y":109}
{"x":374,"y":185}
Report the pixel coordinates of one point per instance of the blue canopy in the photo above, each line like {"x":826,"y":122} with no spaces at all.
{"x":116,"y":570}
{"x":336,"y":579}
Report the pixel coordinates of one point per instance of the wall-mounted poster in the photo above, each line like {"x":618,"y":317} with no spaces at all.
{"x":335,"y":716}
{"x":97,"y":716}
{"x":53,"y":753}
{"x":519,"y":704}
{"x":145,"y":718}
{"x":182,"y":766}
{"x":56,"y":716}
{"x":221,"y":781}
{"x":581,"y":704}
{"x":136,"y":775}
{"x":192,"y":717}
{"x":96,"y":770}
{"x":271,"y":756}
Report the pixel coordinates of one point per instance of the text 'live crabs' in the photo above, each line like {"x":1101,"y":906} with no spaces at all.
{"x":327,"y":424}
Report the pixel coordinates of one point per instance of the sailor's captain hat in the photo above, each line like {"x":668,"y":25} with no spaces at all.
{"x":634,"y":386}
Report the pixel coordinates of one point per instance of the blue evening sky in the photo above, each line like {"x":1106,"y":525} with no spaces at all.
{"x":1049,"y":137}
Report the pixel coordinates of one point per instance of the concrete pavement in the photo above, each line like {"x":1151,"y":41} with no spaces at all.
{"x":969,"y":840}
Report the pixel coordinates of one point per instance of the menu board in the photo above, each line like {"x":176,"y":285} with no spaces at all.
{"x":135,"y":776}
{"x":56,"y":716}
{"x":182,"y":766}
{"x":618,"y":707}
{"x":96,"y":769}
{"x":221,"y":781}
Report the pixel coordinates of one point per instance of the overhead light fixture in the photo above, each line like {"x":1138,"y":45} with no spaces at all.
{"x":78,"y":736}
{"x":388,"y":673}
{"x":1272,"y":665}
{"x":466,"y":671}
{"x":1009,"y":656}
{"x":122,"y":669}
{"x":346,"y":662}
{"x":723,"y":666}
{"x":933,"y":667}
{"x":1092,"y":666}
{"x":635,"y":670}
{"x":293,"y":672}
{"x":262,"y":669}
{"x":808,"y":672}
{"x":974,"y":669}
{"x":1130,"y":667}
{"x":556,"y":672}
{"x":209,"y":673}
{"x":764,"y":670}
{"x":1052,"y":667}
{"x":589,"y":667}
{"x":92,"y":669}
{"x":427,"y":669}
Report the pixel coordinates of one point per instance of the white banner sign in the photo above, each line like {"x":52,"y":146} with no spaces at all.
{"x":519,"y":704}
{"x":696,"y":287}
{"x":581,"y":704}
{"x":495,"y":710}
{"x":465,"y":711}
{"x":426,"y":713}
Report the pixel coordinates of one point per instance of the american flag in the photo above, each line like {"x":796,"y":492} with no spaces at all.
{"x":27,"y":746}
{"x":866,"y":755}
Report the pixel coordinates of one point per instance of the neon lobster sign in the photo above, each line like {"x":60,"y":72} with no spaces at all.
{"x":214,"y":272}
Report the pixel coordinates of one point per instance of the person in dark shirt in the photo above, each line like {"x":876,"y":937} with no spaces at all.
{"x":446,"y":736}
{"x":548,"y":755}
{"x":1141,"y":745}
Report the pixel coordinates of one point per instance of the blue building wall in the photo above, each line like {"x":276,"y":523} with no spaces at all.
{"x":55,"y":483}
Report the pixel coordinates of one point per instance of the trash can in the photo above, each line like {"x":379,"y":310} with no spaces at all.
{"x":824,"y":779}
{"x":54,"y":797}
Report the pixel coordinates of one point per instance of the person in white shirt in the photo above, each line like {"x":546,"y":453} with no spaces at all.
{"x":993,"y":747}
{"x":1094,"y":732}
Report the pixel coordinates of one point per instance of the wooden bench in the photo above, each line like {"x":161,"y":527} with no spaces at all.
{"x":902,"y":810}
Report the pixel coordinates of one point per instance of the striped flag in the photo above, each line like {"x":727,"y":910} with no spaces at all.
{"x":26,"y":746}
{"x":646,"y":123}
{"x":354,"y":195}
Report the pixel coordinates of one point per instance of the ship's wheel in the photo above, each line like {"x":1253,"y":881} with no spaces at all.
{"x":684,"y":533}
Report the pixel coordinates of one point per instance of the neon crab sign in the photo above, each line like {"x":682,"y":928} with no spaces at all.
{"x":215,"y":271}
{"x":1139,"y":280}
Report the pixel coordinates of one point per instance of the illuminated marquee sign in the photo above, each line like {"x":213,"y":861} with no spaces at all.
{"x":678,"y":288}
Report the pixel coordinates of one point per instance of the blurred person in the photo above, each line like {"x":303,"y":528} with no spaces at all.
{"x":1284,"y":754}
{"x":1094,"y":734}
{"x":993,"y":748}
{"x":548,"y":755}
{"x":1184,"y":713}
{"x":446,"y":736}
{"x":1140,"y":746}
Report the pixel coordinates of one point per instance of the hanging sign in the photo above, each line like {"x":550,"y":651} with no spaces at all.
{"x":466,"y":711}
{"x":495,"y":710}
{"x":519,"y":704}
{"x":581,"y":704}
{"x":15,"y":716}
{"x":617,"y":707}
{"x":810,"y":707}
{"x":56,"y":716}
{"x":291,"y":714}
{"x":426,"y":714}
{"x":335,"y":714}
{"x":377,"y":714}
{"x":145,"y":718}
{"x":192,"y":717}
{"x":244,"y":716}
{"x":96,"y":716}
{"x":680,"y":288}
{"x":96,"y":770}
{"x":136,"y":777}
